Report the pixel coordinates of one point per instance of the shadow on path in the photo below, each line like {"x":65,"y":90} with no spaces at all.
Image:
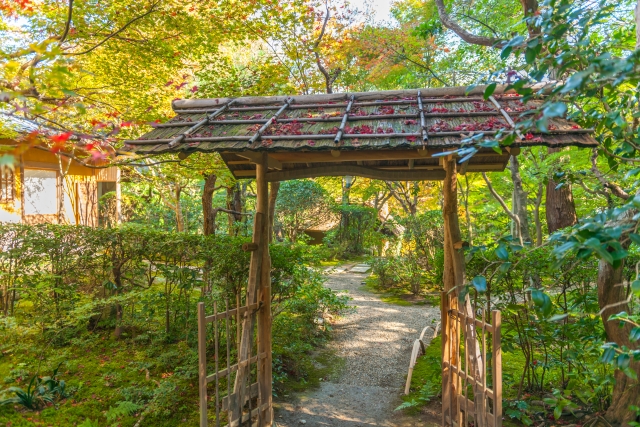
{"x":375,"y":344}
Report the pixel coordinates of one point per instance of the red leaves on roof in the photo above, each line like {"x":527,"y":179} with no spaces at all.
{"x":387,"y":109}
{"x":439,"y":126}
{"x":492,"y":123}
{"x":482,"y":106}
{"x":289,"y":128}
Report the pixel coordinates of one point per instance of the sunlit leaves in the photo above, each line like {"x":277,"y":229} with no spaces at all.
{"x":479,"y":283}
{"x":542,"y":301}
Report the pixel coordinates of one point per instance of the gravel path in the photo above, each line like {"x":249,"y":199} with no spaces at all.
{"x":375,"y":343}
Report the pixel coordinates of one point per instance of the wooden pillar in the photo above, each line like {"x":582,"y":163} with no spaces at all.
{"x":264,"y":295}
{"x":453,"y":258}
{"x":453,"y":277}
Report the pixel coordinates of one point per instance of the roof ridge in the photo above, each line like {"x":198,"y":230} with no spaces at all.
{"x":181,"y":104}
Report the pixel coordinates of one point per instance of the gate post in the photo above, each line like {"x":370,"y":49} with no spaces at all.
{"x":265,"y":414}
{"x":452,"y":278}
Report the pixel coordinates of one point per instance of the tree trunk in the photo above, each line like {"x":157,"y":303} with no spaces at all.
{"x":519,"y":202}
{"x":638,"y":25}
{"x":612,"y":299}
{"x":467,"y":213}
{"x":234,"y":203}
{"x":207,"y":204}
{"x":561,"y":210}
{"x":273,"y":197}
{"x":536,"y":215}
{"x":178,"y":209}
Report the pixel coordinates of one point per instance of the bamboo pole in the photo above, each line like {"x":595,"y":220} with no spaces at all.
{"x":343,"y":123}
{"x":446,"y":358}
{"x":423,"y":121}
{"x":440,"y":94}
{"x":217,"y":357}
{"x":202,"y":363}
{"x":496,"y":322}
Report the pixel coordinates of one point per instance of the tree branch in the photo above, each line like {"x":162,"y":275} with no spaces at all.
{"x":500,"y":200}
{"x":323,"y":70}
{"x":67,"y":26}
{"x":449,"y":23}
{"x":124,"y":27}
{"x":615,"y":188}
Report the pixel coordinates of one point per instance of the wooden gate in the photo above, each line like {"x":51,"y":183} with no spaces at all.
{"x":240,"y":336}
{"x":471,"y":391}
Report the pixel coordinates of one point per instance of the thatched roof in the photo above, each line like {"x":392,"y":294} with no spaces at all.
{"x":351,"y":133}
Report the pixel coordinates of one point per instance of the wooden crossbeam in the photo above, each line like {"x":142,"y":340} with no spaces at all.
{"x":232,"y":400}
{"x":365,"y":172}
{"x":255,"y":157}
{"x":360,"y":155}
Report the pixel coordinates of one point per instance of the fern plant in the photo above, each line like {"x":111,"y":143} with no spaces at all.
{"x":426,"y":393}
{"x":122,"y":409}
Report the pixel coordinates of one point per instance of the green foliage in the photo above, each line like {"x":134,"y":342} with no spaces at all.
{"x":356,"y":231}
{"x":302,"y":204}
{"x":142,"y":284}
{"x":427,"y":392}
{"x":426,"y":378}
{"x":121,"y":409}
{"x":40,"y":392}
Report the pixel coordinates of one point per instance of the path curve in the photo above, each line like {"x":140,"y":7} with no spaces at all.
{"x":375,"y":343}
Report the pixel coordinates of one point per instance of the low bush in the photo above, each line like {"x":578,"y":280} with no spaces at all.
{"x":119,"y":306}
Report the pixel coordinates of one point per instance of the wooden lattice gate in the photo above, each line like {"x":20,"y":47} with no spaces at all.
{"x":241,"y":336}
{"x":471,"y":391}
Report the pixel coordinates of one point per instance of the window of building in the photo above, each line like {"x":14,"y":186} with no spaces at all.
{"x":7,"y":185}
{"x":40,"y":192}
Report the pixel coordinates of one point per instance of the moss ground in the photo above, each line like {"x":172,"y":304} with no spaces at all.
{"x":95,"y":372}
{"x":394,"y":296}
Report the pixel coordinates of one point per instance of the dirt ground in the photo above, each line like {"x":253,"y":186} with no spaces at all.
{"x":374,"y":343}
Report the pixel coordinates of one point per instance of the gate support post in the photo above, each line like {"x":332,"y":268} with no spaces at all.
{"x":264,"y":297}
{"x":453,"y":276}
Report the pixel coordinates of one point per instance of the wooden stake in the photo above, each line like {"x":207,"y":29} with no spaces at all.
{"x":496,"y":322}
{"x":217,"y":357}
{"x":202,"y":363}
{"x":445,"y":325}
